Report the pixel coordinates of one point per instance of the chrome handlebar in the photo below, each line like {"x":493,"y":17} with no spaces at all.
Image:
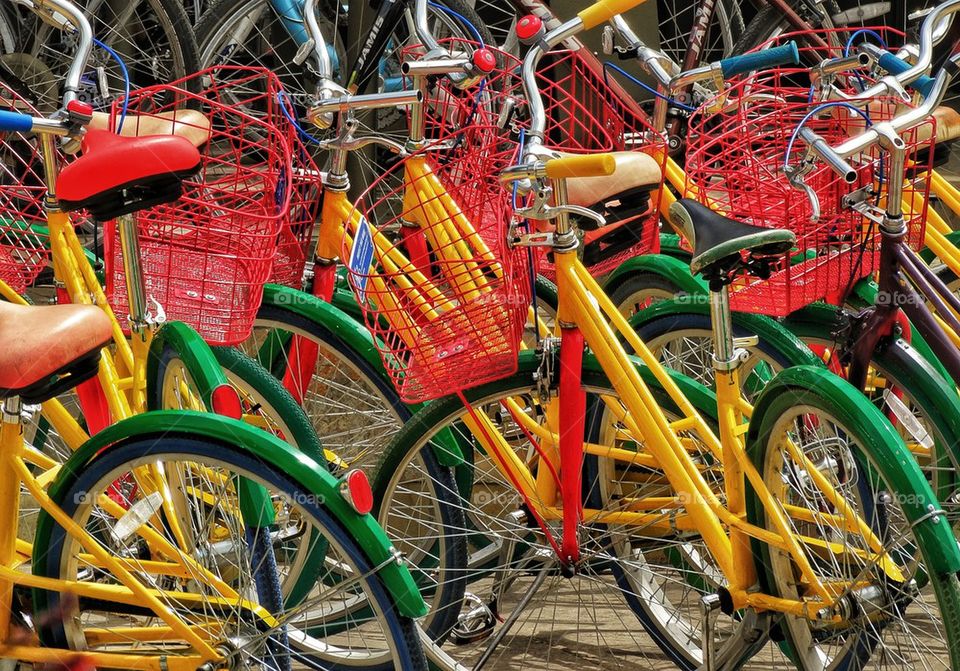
{"x":71,"y":18}
{"x":886,"y":133}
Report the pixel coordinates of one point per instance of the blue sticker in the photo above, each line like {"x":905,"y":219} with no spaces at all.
{"x":360,"y":258}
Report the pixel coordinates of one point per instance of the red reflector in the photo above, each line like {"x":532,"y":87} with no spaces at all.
{"x":484,"y":60}
{"x":355,"y":490}
{"x":226,"y":402}
{"x":529,"y":27}
{"x":82,"y":108}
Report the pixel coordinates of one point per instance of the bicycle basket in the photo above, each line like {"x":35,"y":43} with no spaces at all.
{"x":736,"y":166}
{"x":588,"y":111}
{"x":206,"y":257}
{"x":306,"y":193}
{"x":442,"y":292}
{"x":24,"y":243}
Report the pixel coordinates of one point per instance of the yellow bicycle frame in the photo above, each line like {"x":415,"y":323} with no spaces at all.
{"x":582,"y":303}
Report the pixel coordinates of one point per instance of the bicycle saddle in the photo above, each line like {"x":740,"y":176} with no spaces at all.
{"x":634,"y":170}
{"x":117,"y":175}
{"x":189,"y":124}
{"x":48,"y":349}
{"x":719,"y":242}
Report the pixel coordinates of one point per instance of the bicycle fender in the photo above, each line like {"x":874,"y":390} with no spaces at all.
{"x":673,"y":269}
{"x":897,"y":465}
{"x":265,"y":447}
{"x":196,"y":356}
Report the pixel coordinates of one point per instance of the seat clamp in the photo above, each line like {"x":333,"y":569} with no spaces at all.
{"x":11,"y":410}
{"x":725,"y":366}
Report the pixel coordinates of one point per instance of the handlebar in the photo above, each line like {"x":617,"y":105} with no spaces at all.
{"x":15,"y":122}
{"x":822,"y":148}
{"x":365,"y":101}
{"x":589,"y":165}
{"x":603,"y":11}
{"x":79,"y":23}
{"x":931,"y":34}
{"x":897,"y":66}
{"x":787,"y":54}
{"x":887,"y":131}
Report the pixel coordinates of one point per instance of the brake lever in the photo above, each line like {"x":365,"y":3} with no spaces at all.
{"x":796,"y":176}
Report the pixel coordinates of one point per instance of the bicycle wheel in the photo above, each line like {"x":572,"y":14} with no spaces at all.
{"x":814,"y":449}
{"x":676,"y":19}
{"x":901,"y":384}
{"x":684,"y":343}
{"x":214,"y":479}
{"x":153,"y":38}
{"x":641,"y":290}
{"x":515,"y":588}
{"x":266,"y":404}
{"x":351,"y":405}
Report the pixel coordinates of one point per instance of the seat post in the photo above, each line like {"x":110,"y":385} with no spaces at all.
{"x":136,"y":288}
{"x":724,"y":350}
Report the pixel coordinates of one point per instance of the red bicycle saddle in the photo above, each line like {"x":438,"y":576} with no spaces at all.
{"x":117,"y":175}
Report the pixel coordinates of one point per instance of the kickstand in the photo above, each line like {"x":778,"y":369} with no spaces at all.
{"x":510,"y":621}
{"x":709,"y":607}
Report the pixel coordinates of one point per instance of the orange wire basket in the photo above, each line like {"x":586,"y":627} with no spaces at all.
{"x":441,"y":290}
{"x":24,"y":243}
{"x":736,"y":166}
{"x":206,"y":257}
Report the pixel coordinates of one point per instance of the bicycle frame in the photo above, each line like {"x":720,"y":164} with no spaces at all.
{"x":907,"y":283}
{"x":588,"y":317}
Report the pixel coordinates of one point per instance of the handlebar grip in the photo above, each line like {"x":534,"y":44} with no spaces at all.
{"x":590,"y":165}
{"x":603,"y":11}
{"x":895,"y":65}
{"x":15,"y":122}
{"x":787,"y":54}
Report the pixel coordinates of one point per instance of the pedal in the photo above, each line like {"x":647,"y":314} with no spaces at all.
{"x":475,"y":623}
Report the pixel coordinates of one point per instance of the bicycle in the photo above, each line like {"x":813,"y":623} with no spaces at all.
{"x":184,"y":372}
{"x":108,"y":578}
{"x":177,"y":506}
{"x":906,"y":378}
{"x":621,"y":526}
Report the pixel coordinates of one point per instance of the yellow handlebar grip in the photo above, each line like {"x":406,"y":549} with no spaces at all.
{"x":589,"y":165}
{"x":603,"y":11}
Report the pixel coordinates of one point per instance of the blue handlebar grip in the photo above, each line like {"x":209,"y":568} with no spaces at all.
{"x":14,"y":122}
{"x":788,"y":54}
{"x":896,"y":66}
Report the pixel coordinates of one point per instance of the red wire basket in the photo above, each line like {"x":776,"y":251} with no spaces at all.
{"x":585,"y":114}
{"x":736,"y":166}
{"x":206,"y":257}
{"x":24,"y":243}
{"x":441,"y":290}
{"x":296,"y":232}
